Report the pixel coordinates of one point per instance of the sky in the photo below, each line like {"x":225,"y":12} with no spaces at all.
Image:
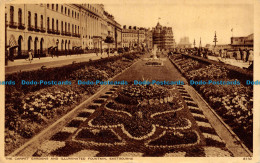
{"x":195,"y":20}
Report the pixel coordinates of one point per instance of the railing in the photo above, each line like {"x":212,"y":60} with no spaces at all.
{"x":12,"y":24}
{"x":21,"y":26}
{"x":42,"y":30}
{"x":49,"y":30}
{"x":68,"y":34}
{"x":57,"y":32}
{"x":36,"y":29}
{"x":30,"y":27}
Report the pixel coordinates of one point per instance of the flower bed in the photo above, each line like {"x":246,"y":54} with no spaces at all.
{"x":138,"y":110}
{"x":29,"y":111}
{"x":233,"y":103}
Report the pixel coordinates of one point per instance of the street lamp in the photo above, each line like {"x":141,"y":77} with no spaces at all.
{"x":57,"y":43}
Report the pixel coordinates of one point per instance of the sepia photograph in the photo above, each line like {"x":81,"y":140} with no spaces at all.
{"x":121,"y":80}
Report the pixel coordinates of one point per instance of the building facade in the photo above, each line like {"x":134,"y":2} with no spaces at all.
{"x":163,"y":37}
{"x":133,"y":37}
{"x":60,"y":28}
{"x":242,"y":42}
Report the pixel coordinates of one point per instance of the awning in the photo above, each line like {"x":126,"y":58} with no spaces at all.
{"x":14,"y":47}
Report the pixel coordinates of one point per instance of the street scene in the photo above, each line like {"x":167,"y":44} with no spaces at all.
{"x":82,"y":80}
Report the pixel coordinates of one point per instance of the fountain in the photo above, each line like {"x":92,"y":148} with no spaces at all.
{"x":154,"y":60}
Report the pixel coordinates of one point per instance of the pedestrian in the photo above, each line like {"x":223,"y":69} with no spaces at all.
{"x":251,"y":56}
{"x":220,"y":53}
{"x":97,"y":52}
{"x":30,"y":55}
{"x":241,"y":54}
{"x":244,"y":55}
{"x":247,"y":55}
{"x":238,"y":56}
{"x":224,"y":54}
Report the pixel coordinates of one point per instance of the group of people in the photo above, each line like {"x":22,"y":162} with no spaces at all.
{"x":246,"y":55}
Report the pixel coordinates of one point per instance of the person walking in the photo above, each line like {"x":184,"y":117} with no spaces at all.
{"x":247,"y":55}
{"x":97,"y":52}
{"x":220,"y":53}
{"x":238,"y":57}
{"x":244,"y":55}
{"x":224,"y":54}
{"x":30,"y":55}
{"x":251,"y":57}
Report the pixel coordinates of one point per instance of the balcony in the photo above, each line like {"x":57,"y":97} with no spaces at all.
{"x":30,"y":27}
{"x":68,"y":34}
{"x":37,"y":29}
{"x":12,"y":24}
{"x":49,"y":31}
{"x":74,"y":34}
{"x":57,"y":32}
{"x":21,"y":26}
{"x":43,"y":30}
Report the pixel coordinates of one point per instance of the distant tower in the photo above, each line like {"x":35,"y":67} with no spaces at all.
{"x":200,"y":43}
{"x":215,"y":39}
{"x":194,"y":43}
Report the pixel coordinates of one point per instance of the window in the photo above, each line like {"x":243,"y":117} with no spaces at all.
{"x":41,"y":21}
{"x":78,"y":15}
{"x":57,"y":7}
{"x":11,"y":14}
{"x":61,"y":26}
{"x":68,"y":12}
{"x":48,"y":23}
{"x":65,"y":27}
{"x":52,"y":24}
{"x":68,"y":27}
{"x":52,"y":6}
{"x":61,"y":9}
{"x":48,"y":5}
{"x":57,"y":25}
{"x":29,"y":18}
{"x":20,"y":16}
{"x":78,"y":29}
{"x":75,"y":29}
{"x":72,"y":13}
{"x":65,"y":10}
{"x":72,"y":28}
{"x":35,"y":20}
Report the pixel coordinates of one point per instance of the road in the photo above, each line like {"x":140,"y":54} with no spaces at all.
{"x":48,"y":62}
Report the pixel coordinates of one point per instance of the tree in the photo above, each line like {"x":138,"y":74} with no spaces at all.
{"x":109,"y":40}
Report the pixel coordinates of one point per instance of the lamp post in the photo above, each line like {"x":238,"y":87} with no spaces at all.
{"x":215,"y":39}
{"x":57,"y":43}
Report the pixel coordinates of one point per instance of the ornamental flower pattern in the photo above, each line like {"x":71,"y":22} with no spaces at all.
{"x":145,"y":113}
